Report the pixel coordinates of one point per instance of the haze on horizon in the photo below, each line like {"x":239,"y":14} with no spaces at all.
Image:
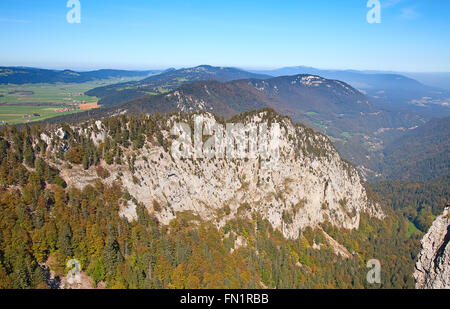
{"x":412,"y":35}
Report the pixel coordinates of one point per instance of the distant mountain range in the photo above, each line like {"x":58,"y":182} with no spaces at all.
{"x":292,"y":95}
{"x":303,"y":97}
{"x":387,"y":90}
{"x":440,"y":79}
{"x":22,"y":75}
{"x":394,"y":92}
{"x":167,"y":81}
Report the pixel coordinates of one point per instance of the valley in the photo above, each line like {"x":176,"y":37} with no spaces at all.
{"x":35,"y":99}
{"x":35,"y":102}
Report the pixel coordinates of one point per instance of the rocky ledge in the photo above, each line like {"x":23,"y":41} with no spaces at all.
{"x":433,"y":265}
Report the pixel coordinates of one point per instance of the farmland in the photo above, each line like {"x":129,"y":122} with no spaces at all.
{"x":34,"y":102}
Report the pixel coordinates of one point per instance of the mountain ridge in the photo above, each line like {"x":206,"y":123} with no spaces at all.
{"x":167,"y":81}
{"x":391,"y":90}
{"x":25,"y":75}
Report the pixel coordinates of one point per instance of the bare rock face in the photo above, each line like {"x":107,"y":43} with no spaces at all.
{"x":433,"y":266}
{"x":307,"y":185}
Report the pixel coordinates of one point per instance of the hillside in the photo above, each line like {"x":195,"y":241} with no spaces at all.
{"x":421,"y":154}
{"x":331,"y":106}
{"x":419,"y":201}
{"x":390,"y":91}
{"x":167,"y":81}
{"x":22,"y":75}
{"x":301,"y":95}
{"x":111,"y":194}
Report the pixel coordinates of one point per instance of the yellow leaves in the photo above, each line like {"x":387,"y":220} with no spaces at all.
{"x":119,"y":285}
{"x":51,"y":235}
{"x":162,"y":268}
{"x":235,"y":283}
{"x":5,"y":280}
{"x":95,"y":241}
{"x":355,"y":245}
{"x":192,"y":282}
{"x":294,"y":255}
{"x":39,"y":245}
{"x":75,"y":155}
{"x":57,"y":263}
{"x":304,"y":243}
{"x":301,"y":277}
{"x":60,"y":196}
{"x":213,"y":281}
{"x":178,"y":278}
{"x":246,"y":277}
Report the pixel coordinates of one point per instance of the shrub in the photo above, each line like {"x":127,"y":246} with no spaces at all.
{"x":102,"y":172}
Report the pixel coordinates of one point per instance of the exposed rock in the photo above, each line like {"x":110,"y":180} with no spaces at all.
{"x":433,"y":265}
{"x":47,"y":139}
{"x":61,"y":133}
{"x":85,"y":283}
{"x":129,"y":211}
{"x":337,"y":247}
{"x":307,"y":185}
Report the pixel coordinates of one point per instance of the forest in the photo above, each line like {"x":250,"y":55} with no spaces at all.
{"x":44,"y":223}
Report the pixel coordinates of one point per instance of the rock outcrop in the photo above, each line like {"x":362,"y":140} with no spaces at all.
{"x":433,"y":265}
{"x":307,"y":185}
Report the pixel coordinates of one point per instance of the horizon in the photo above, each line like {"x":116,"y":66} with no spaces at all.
{"x":412,"y":36}
{"x":262,"y":69}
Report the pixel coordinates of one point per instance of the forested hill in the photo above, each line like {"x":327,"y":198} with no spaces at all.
{"x":21,"y":75}
{"x":167,"y":81}
{"x":420,"y":154}
{"x":420,"y":202}
{"x":295,"y":96}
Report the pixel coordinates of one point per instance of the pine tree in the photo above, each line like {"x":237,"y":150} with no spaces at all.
{"x":65,"y":240}
{"x":111,"y":255}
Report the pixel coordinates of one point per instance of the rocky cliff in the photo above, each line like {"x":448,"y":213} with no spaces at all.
{"x":306,"y":185}
{"x":433,"y":265}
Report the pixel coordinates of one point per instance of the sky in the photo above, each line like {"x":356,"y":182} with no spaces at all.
{"x":413,"y":35}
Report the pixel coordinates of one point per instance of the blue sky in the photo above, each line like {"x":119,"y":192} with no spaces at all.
{"x":414,"y":35}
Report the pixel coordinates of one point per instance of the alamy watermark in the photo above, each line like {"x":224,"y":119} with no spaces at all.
{"x":74,"y":274}
{"x":374,"y":14}
{"x":232,"y":141}
{"x":74,"y":15}
{"x":374,"y":274}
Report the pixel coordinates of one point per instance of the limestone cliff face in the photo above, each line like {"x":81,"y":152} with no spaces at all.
{"x":308,"y":184}
{"x":433,"y":265}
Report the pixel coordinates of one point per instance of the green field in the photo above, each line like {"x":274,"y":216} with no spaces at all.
{"x":34,"y":102}
{"x":412,"y":229}
{"x":16,"y":114}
